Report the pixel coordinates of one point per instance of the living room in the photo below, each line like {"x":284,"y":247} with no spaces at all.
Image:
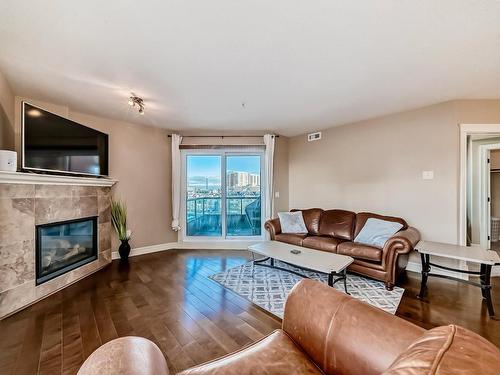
{"x":182,"y":185}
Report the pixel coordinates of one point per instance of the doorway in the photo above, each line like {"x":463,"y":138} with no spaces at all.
{"x":483,"y":190}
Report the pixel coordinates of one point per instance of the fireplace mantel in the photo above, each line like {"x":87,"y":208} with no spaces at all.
{"x":40,"y":179}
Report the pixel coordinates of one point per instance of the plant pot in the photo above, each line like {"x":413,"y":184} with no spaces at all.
{"x":124,"y":250}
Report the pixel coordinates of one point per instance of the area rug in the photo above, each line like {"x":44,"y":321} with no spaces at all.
{"x":268,"y":288}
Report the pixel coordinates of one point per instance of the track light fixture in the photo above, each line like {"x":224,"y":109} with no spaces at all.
{"x":136,"y":101}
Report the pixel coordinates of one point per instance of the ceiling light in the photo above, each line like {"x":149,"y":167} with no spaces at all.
{"x":136,"y":101}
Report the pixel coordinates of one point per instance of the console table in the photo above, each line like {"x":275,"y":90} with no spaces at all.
{"x":485,"y":258}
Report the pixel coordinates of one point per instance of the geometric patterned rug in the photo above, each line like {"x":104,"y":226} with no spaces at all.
{"x":268,"y":288}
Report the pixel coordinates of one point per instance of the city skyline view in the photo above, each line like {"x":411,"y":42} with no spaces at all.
{"x":204,"y":171}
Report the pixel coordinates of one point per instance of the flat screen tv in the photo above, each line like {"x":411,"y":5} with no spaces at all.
{"x":54,"y":144}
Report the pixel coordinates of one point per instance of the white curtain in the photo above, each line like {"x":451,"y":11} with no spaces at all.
{"x":269,"y":161}
{"x":176,"y":181}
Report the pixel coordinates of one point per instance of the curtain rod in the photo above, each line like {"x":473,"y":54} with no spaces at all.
{"x":222,"y":136}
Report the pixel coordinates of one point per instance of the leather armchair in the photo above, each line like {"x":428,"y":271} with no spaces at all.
{"x":346,"y":336}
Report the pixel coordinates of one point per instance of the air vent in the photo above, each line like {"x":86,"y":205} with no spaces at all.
{"x":314,"y":136}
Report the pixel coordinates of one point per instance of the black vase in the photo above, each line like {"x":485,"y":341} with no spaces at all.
{"x":124,"y":250}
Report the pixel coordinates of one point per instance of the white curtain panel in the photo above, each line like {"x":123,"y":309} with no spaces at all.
{"x":176,"y":181}
{"x":269,"y":141}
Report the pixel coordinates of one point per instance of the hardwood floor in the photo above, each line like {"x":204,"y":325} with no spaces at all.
{"x":167,"y":298}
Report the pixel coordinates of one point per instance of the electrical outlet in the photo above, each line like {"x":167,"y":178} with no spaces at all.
{"x":276,"y":194}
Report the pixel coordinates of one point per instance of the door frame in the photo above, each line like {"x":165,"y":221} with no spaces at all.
{"x":485,"y":193}
{"x":222,"y":152}
{"x":466,"y":130}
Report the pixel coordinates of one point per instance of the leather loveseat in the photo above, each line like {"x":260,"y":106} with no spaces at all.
{"x":335,"y":230}
{"x":346,"y":337}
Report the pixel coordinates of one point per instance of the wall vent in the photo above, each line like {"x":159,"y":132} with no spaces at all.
{"x":314,"y":136}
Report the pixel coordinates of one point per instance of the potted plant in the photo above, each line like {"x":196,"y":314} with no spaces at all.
{"x":119,"y":220}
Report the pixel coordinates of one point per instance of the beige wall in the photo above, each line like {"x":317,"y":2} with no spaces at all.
{"x":139,"y":158}
{"x":377,"y":165}
{"x":6,"y":115}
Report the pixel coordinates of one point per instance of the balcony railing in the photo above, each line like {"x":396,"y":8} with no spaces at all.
{"x":243,"y":216}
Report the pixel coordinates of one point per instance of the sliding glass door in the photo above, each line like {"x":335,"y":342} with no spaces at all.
{"x":223,"y":194}
{"x":243,"y":195}
{"x":203,"y":195}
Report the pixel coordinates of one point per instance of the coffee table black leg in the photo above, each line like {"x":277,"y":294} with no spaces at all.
{"x":426,"y":268}
{"x":482,"y":278}
{"x":330,"y":279}
{"x":345,"y":280}
{"x":343,"y":276}
{"x":272,"y":262}
{"x":486,"y":287}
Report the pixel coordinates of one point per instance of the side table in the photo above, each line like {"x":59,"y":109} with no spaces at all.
{"x":485,"y":258}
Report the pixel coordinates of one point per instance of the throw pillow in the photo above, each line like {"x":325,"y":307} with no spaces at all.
{"x":292,"y":222}
{"x":376,"y":232}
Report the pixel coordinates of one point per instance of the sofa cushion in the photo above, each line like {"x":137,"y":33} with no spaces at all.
{"x":311,"y":219}
{"x":376,"y":232}
{"x":274,"y":354}
{"x":291,"y":238}
{"x":362,"y":217}
{"x":360,"y":251}
{"x":292,"y":222}
{"x":322,"y":243}
{"x":337,"y":223}
{"x":447,"y":350}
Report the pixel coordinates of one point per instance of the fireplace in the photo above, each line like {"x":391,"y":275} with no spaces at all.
{"x":64,"y":246}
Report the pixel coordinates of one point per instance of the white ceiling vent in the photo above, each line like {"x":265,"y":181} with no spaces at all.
{"x":314,"y":136}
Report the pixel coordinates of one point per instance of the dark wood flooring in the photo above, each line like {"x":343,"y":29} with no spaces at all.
{"x":167,"y":298}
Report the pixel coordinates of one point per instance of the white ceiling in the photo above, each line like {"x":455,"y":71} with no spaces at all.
{"x":296,"y":65}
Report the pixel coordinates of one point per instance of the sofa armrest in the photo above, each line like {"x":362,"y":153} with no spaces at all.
{"x":341,"y":334}
{"x":126,"y":355}
{"x":273,"y":227}
{"x":402,"y":242}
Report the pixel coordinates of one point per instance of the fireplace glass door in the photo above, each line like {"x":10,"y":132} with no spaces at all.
{"x":64,"y":246}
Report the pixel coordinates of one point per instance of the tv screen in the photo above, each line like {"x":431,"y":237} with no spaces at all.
{"x":52,"y":143}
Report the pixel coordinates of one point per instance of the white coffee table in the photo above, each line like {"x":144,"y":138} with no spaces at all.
{"x":334,"y":265}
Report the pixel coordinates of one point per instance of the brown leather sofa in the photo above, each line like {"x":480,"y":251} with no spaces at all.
{"x":335,"y":230}
{"x":346,"y":337}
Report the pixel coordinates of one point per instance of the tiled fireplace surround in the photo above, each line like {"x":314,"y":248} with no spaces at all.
{"x":22,"y":207}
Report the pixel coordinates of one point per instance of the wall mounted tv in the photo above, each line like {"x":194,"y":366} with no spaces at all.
{"x":54,"y":144}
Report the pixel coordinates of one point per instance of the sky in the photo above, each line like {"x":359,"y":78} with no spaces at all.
{"x":210,"y":166}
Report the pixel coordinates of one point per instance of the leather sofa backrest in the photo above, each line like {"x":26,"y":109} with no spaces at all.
{"x":448,"y":350}
{"x":342,"y":335}
{"x":337,"y":223}
{"x":311,"y":219}
{"x":362,"y":217}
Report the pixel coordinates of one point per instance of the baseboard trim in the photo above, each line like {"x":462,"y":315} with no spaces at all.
{"x":417,"y":267}
{"x":205,"y":245}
